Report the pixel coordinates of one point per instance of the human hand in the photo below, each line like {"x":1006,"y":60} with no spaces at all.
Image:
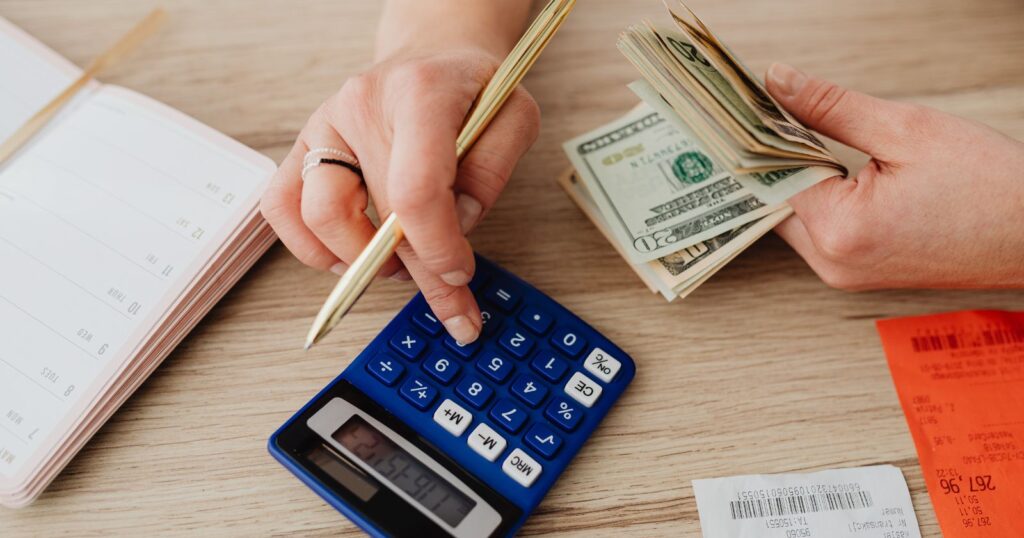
{"x":939,"y":205}
{"x":401,"y":120}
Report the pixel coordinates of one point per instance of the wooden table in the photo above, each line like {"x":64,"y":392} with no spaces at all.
{"x":763,"y":370}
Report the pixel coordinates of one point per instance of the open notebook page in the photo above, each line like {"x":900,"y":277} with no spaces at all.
{"x":106,"y":220}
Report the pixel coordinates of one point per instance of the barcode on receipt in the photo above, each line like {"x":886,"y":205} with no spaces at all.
{"x":799,"y":504}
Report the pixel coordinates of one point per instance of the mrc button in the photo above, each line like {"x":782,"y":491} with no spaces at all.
{"x":583,"y":389}
{"x":521,"y":468}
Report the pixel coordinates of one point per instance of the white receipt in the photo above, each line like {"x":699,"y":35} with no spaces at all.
{"x":862,"y":502}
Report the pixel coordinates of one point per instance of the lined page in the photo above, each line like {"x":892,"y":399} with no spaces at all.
{"x":105,"y":221}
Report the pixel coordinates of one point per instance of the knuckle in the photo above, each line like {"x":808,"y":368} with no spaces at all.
{"x":824,"y":101}
{"x":839,"y":279}
{"x":846,"y":241}
{"x":323,"y":213}
{"x":440,"y":296}
{"x":420,"y":75}
{"x":528,"y":110}
{"x":273,"y":206}
{"x":416,"y":195}
{"x":357,"y":88}
{"x":488,"y":172}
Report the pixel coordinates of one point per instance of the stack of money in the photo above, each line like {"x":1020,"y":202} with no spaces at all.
{"x":698,"y":172}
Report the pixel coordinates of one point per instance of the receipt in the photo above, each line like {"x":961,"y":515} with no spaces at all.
{"x":960,"y":379}
{"x":863,"y":502}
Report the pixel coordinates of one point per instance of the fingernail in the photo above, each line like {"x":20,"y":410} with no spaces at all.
{"x":468,"y":210}
{"x":456,"y":278}
{"x":402,"y":275}
{"x":461,"y":329}
{"x":788,"y":79}
{"x":339,"y":268}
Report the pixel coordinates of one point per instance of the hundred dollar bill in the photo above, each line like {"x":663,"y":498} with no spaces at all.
{"x":656,"y":186}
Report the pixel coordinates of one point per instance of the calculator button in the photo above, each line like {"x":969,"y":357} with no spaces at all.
{"x":602,"y":365}
{"x":409,"y":344}
{"x":474,"y":391}
{"x":463,"y":350}
{"x":530,"y":390}
{"x":564,"y":413}
{"x":543,"y":439}
{"x":417,"y":392}
{"x":426,"y":320}
{"x":549,"y":366}
{"x":452,"y":417}
{"x":506,"y":297}
{"x":569,"y":341}
{"x":583,"y":389}
{"x":386,"y":369}
{"x":486,"y":442}
{"x":521,"y":468}
{"x":441,"y":368}
{"x":495,"y":367}
{"x":509,"y":415}
{"x":536,"y":319}
{"x":490,"y":319}
{"x":516,"y":342}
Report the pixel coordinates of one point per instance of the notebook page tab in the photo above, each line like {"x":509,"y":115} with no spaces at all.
{"x":105,"y":223}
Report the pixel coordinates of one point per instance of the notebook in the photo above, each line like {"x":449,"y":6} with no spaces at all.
{"x":121,"y":224}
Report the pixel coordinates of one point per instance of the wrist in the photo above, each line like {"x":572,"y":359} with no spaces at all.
{"x":412,"y":28}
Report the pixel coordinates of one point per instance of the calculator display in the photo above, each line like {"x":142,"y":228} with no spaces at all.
{"x":404,"y":471}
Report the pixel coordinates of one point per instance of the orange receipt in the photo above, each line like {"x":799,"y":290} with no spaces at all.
{"x":960,"y":379}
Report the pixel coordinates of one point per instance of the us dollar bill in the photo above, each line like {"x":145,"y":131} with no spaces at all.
{"x":680,"y":273}
{"x":657,"y":187}
{"x":773,"y":187}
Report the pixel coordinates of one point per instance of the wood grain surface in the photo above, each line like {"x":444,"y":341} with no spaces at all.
{"x":763,"y":370}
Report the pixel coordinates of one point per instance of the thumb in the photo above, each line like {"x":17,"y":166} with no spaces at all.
{"x":867,"y":123}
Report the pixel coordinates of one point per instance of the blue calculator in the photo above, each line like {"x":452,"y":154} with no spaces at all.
{"x":424,"y":436}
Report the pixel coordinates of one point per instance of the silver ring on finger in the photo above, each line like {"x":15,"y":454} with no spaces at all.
{"x":330,"y":156}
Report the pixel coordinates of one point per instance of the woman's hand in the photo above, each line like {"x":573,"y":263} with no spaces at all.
{"x":940,"y":205}
{"x":401,"y":119}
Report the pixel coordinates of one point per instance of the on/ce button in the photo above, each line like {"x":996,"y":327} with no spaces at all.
{"x":583,"y":389}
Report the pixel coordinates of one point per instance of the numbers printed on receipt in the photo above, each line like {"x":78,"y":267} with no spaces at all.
{"x":960,"y":379}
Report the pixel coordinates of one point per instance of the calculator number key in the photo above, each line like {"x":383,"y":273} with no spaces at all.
{"x":583,"y":389}
{"x":495,"y":367}
{"x":521,"y":468}
{"x":474,"y":391}
{"x":463,"y":350}
{"x":516,"y":342}
{"x":544,"y":440}
{"x":420,"y":394}
{"x":386,"y":369}
{"x":602,"y":365}
{"x":530,"y":390}
{"x":564,"y":413}
{"x":569,"y":341}
{"x":452,"y":417}
{"x":509,"y":415}
{"x":549,"y":366}
{"x":486,"y":442}
{"x":442,"y":368}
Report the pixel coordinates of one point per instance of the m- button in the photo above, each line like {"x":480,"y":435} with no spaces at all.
{"x":521,"y":468}
{"x":583,"y":389}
